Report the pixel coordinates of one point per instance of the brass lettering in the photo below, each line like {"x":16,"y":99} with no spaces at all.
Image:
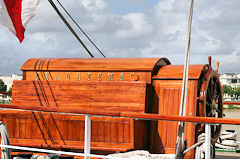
{"x":132,"y":76}
{"x":78,"y":76}
{"x":57,"y":77}
{"x":37,"y":75}
{"x":110,"y":76}
{"x":89,"y":76}
{"x":121,"y":76}
{"x":46,"y":76}
{"x":99,"y":76}
{"x":68,"y":76}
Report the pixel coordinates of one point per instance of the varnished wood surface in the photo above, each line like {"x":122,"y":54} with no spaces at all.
{"x":150,"y":85}
{"x":88,"y":76}
{"x":169,"y":96}
{"x":145,"y":116}
{"x":67,"y":131}
{"x":96,"y":64}
{"x":176,"y":72}
{"x":108,"y":96}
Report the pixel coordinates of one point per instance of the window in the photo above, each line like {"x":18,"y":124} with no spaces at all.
{"x":234,"y":80}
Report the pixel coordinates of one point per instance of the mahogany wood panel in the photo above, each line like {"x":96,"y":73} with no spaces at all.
{"x":113,"y":87}
{"x":110,"y":96}
{"x":88,"y":76}
{"x":67,"y":131}
{"x":176,"y":72}
{"x":164,"y":134}
{"x":96,"y":64}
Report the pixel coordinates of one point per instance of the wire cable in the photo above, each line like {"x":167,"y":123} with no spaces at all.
{"x":81,"y":29}
{"x":181,"y":126}
{"x":69,"y":27}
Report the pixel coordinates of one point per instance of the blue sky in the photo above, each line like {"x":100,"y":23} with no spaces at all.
{"x":131,"y":28}
{"x":122,"y":7}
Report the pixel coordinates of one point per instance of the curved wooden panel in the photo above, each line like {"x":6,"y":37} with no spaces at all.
{"x":176,"y":72}
{"x":96,"y":64}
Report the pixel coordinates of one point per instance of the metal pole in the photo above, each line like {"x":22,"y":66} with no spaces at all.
{"x":207,"y":141}
{"x":87,"y":138}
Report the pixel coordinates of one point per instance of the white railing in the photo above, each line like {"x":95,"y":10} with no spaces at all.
{"x":208,"y":141}
{"x":87,"y":144}
{"x":87,"y":141}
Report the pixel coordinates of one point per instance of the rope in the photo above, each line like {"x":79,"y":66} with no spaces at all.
{"x":69,"y":27}
{"x":227,"y":140}
{"x":81,"y":29}
{"x":180,"y":140}
{"x":140,"y":154}
{"x":200,"y":148}
{"x":6,"y":152}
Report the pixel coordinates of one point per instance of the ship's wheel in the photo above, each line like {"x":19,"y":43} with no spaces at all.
{"x":210,"y":101}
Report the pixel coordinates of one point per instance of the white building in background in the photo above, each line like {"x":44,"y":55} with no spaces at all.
{"x":8,"y":80}
{"x":230,"y":79}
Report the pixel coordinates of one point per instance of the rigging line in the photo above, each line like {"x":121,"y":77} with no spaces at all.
{"x":81,"y":29}
{"x":69,"y":27}
{"x":181,"y":126}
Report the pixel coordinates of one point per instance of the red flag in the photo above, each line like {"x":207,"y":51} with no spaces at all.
{"x":15,"y":14}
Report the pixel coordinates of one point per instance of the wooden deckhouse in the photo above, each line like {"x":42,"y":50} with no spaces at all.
{"x":134,"y":85}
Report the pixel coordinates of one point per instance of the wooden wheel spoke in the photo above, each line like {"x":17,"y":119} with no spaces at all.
{"x":217,"y":97}
{"x":214,"y":90}
{"x":218,"y":111}
{"x":209,"y":94}
{"x":208,"y":104}
{"x":212,"y":86}
{"x":213,"y":131}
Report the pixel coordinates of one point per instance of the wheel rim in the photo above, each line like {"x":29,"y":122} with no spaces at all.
{"x":210,"y":102}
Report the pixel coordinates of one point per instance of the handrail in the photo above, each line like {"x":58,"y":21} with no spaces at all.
{"x":53,"y":151}
{"x":144,"y":116}
{"x":231,"y":103}
{"x":8,"y":93}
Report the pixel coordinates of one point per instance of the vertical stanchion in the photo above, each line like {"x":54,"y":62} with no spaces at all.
{"x":207,"y":141}
{"x":87,"y":138}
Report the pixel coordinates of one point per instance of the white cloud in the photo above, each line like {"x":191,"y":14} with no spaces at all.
{"x":95,"y":5}
{"x":157,"y":32}
{"x":138,"y":27}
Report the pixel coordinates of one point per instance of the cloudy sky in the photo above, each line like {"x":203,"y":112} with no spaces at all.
{"x":131,"y":28}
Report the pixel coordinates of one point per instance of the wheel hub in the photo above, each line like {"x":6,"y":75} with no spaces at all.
{"x":213,"y":108}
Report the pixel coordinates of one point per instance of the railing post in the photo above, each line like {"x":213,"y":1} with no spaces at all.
{"x":87,"y":138}
{"x":207,"y":141}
